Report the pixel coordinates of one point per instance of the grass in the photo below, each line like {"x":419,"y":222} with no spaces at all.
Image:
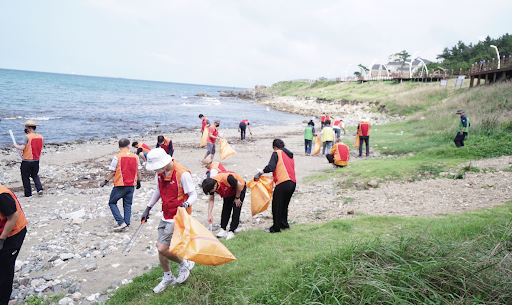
{"x":369,"y":260}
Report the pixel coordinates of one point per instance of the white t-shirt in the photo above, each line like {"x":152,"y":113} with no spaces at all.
{"x":188,"y":187}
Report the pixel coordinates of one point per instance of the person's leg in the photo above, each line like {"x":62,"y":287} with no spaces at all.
{"x":235,"y":219}
{"x":306,"y":146}
{"x":464,"y":134}
{"x":227,"y":206}
{"x":213,"y":151}
{"x":338,"y":133}
{"x":310,"y":146}
{"x":127,"y":203}
{"x":367,"y":141}
{"x":324,"y":145}
{"x":34,"y":172}
{"x":8,"y":255}
{"x":290,"y":189}
{"x":329,"y":146}
{"x":25,"y":178}
{"x":277,"y":201}
{"x":360,"y":146}
{"x":115,"y":195}
{"x":330,"y":158}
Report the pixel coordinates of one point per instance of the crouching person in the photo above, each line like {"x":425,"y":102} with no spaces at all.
{"x":339,"y":154}
{"x":176,"y":188}
{"x":231,"y":187}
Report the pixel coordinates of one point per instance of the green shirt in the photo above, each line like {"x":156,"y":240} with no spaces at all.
{"x":308,"y":133}
{"x":464,"y":121}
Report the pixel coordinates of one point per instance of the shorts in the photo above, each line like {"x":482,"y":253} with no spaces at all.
{"x":210,"y":147}
{"x":165,"y":231}
{"x":145,"y":155}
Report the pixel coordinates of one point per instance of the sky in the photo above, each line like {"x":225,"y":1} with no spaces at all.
{"x":234,"y":42}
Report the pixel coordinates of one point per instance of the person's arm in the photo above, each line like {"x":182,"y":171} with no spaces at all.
{"x":8,"y":208}
{"x":22,"y":144}
{"x":171,"y":149}
{"x":211,"y":200}
{"x":249,"y":128}
{"x":343,"y":126}
{"x":271,"y":164}
{"x":154,"y":199}
{"x":188,"y":187}
{"x":333,"y":150}
{"x":238,"y":189}
{"x":213,"y":173}
{"x":464,"y":124}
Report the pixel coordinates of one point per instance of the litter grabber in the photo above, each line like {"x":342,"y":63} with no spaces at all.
{"x":132,"y":240}
{"x":14,"y":142}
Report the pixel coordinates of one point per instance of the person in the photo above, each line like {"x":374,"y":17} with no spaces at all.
{"x":13,"y":228}
{"x":241,"y":127}
{"x":125,"y":169}
{"x":166,"y":144}
{"x":328,"y":136}
{"x":213,"y":168}
{"x":308,"y":136}
{"x":363,"y":130}
{"x":282,"y":166}
{"x":482,"y":63}
{"x":31,"y":145}
{"x":142,"y":150}
{"x":231,"y":187}
{"x":204,"y":122}
{"x":322,"y":120}
{"x":213,"y":136}
{"x":337,"y":126}
{"x":464,"y":126}
{"x":176,"y":189}
{"x":339,"y":154}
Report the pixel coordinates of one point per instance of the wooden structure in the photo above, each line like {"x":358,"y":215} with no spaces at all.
{"x":488,"y":71}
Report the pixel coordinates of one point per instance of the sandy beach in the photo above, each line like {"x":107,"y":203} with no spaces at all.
{"x":70,"y":249}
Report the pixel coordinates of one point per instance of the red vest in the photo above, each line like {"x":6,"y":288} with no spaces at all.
{"x":323,"y":118}
{"x":32,"y":150}
{"x":217,"y":166}
{"x":126,"y":169}
{"x":204,"y":123}
{"x":244,"y":121}
{"x":225,"y":190}
{"x":214,"y":131}
{"x":21,"y":222}
{"x":171,"y":192}
{"x":144,"y":147}
{"x":165,"y":146}
{"x":364,"y":129}
{"x":285,"y":168}
{"x":341,"y":152}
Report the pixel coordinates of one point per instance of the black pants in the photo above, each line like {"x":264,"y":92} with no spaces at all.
{"x":459,"y":139}
{"x":8,"y":255}
{"x":308,"y":145}
{"x":281,"y":199}
{"x":242,"y":127}
{"x":28,"y":170}
{"x":229,"y":205}
{"x":362,"y":140}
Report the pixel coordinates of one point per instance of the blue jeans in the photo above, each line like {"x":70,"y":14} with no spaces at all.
{"x":308,"y":144}
{"x":118,"y":192}
{"x":327,"y":145}
{"x":338,"y":132}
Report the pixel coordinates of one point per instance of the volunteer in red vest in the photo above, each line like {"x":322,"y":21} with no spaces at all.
{"x":363,"y":130}
{"x":125,"y":169}
{"x":213,"y":136}
{"x":337,"y":126}
{"x":322,"y":120}
{"x":213,"y":168}
{"x":174,"y":185}
{"x":241,"y":128}
{"x":282,"y":166}
{"x":31,"y":145}
{"x":231,"y":187}
{"x":339,"y":155}
{"x":142,"y":150}
{"x":204,"y":122}
{"x":166,"y":144}
{"x":13,"y":228}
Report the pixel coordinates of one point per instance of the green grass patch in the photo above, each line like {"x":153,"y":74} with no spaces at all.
{"x":368,"y":260}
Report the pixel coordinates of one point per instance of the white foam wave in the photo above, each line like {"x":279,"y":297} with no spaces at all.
{"x":13,"y":118}
{"x":44,"y":118}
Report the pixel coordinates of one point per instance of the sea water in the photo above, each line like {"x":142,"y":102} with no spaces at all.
{"x":75,"y":107}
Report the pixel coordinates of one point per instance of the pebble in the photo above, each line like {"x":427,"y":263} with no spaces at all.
{"x":66,"y":301}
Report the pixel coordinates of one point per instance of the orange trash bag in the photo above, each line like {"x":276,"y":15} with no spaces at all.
{"x":261,"y":192}
{"x":192,"y":241}
{"x":225,"y":150}
{"x":205,"y":135}
{"x":318,"y":145}
{"x":356,"y":143}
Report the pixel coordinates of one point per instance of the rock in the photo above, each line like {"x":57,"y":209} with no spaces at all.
{"x":74,"y":288}
{"x":35,"y":283}
{"x":489,"y":183}
{"x":90,"y":267}
{"x":376,"y":154}
{"x":91,"y":298}
{"x":443,"y":174}
{"x":56,"y":288}
{"x":373,"y":183}
{"x":125,"y":281}
{"x":76,"y":295}
{"x":66,"y":301}
{"x":66,"y":256}
{"x":78,"y":221}
{"x":48,"y":277}
{"x":77,"y":214}
{"x":42,"y":288}
{"x":115,"y":265}
{"x":350,"y":212}
{"x":17,"y":265}
{"x":103,"y":246}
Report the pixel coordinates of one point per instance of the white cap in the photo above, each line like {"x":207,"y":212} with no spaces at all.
{"x":157,"y":158}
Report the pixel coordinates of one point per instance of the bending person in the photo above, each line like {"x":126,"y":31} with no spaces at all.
{"x":339,"y":154}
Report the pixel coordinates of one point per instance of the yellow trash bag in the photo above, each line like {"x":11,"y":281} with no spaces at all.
{"x":193,"y":242}
{"x":356,"y":143}
{"x":205,"y":135}
{"x":225,"y":150}
{"x":318,"y":145}
{"x":261,"y":192}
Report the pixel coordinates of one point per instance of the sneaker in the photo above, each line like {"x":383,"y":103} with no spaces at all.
{"x":40,"y":193}
{"x":184,"y":270}
{"x":334,"y":167}
{"x":119,"y":227}
{"x":222,"y":233}
{"x":230,"y":235}
{"x":164,"y":283}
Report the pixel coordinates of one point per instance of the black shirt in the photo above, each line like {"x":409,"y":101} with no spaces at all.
{"x":7,"y":204}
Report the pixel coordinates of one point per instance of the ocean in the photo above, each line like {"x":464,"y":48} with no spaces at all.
{"x":75,"y":107}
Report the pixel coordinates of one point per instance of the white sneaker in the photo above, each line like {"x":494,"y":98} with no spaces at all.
{"x":164,"y":283}
{"x":230,"y":235}
{"x":222,"y":233}
{"x":184,"y":270}
{"x":119,"y":227}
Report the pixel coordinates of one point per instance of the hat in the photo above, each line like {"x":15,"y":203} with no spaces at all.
{"x":157,"y":158}
{"x":460,"y":111}
{"x":30,"y":123}
{"x":207,"y":161}
{"x":217,"y":121}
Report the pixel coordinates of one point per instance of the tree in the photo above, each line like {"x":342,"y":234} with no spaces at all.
{"x":363,"y":69}
{"x":402,"y":57}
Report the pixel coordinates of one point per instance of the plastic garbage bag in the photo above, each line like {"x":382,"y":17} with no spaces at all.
{"x":192,"y":241}
{"x":205,"y":135}
{"x":226,"y":150}
{"x":318,"y":146}
{"x":261,"y":192}
{"x":356,"y":143}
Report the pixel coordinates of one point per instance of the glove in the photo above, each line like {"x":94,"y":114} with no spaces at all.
{"x":138,"y":185}
{"x":2,"y":243}
{"x":211,"y":219}
{"x":185,"y":205}
{"x":145,"y":215}
{"x":103,"y":183}
{"x":460,"y":133}
{"x":257,"y":176}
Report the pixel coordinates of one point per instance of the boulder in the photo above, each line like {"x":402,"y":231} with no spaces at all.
{"x":373,"y":183}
